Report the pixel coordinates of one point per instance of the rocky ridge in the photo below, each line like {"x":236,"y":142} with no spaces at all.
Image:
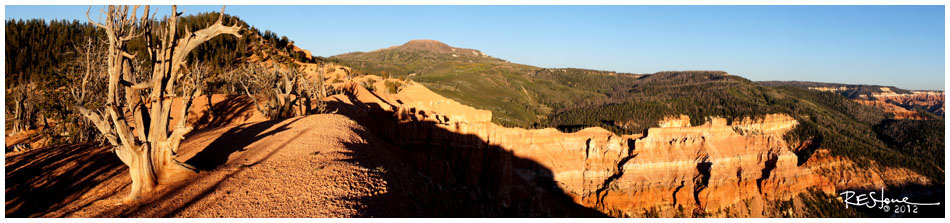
{"x":671,"y":170}
{"x":900,"y":104}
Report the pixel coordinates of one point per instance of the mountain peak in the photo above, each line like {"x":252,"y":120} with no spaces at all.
{"x":426,"y":45}
{"x":435,"y":46}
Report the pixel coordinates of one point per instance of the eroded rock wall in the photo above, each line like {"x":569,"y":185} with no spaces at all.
{"x":709,"y":168}
{"x":932,"y":101}
{"x":671,"y":170}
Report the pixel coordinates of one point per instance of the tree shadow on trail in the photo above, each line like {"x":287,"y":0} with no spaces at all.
{"x":235,"y":139}
{"x":214,"y":156}
{"x":432,"y":172}
{"x":224,"y":112}
{"x":43,"y":180}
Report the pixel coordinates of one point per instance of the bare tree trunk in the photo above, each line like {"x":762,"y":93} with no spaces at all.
{"x":144,"y":141}
{"x":24,"y":114}
{"x":286,"y":94}
{"x":19,"y":113}
{"x":211,"y":114}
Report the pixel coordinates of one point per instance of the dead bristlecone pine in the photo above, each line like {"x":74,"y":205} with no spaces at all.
{"x":144,"y":141}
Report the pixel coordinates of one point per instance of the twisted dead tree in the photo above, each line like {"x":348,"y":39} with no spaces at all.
{"x":197,"y":82}
{"x":314,"y":90}
{"x":144,"y":141}
{"x":276,"y":87}
{"x":24,"y":110}
{"x":286,"y":93}
{"x":89,"y":70}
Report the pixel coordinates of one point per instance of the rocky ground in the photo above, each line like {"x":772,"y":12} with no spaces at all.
{"x":314,"y":166}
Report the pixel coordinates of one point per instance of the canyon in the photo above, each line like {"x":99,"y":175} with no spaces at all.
{"x":435,"y":157}
{"x":902,"y":105}
{"x":425,"y":129}
{"x":720,"y":168}
{"x":931,"y":101}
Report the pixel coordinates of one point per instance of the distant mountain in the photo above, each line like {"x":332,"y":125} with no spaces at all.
{"x":435,"y":47}
{"x":519,"y":95}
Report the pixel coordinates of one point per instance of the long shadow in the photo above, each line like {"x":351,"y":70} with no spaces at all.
{"x":226,"y":137}
{"x":225,"y":111}
{"x":433,"y":172}
{"x":211,"y":157}
{"x":602,"y":191}
{"x":235,"y":139}
{"x":44,"y":180}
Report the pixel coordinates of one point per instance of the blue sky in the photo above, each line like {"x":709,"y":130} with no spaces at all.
{"x":901,"y":46}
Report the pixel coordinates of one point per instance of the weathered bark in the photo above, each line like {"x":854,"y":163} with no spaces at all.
{"x":276,"y":87}
{"x":23,"y":112}
{"x":144,"y":142}
{"x":315,"y":91}
{"x":286,"y":93}
{"x":88,"y":69}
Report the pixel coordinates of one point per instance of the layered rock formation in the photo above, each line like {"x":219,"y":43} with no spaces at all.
{"x":706,"y":169}
{"x":898,"y":111}
{"x":932,"y":101}
{"x":673,"y":170}
{"x":846,"y":174}
{"x":902,"y":105}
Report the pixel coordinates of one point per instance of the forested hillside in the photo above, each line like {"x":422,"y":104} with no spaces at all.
{"x":518,"y":95}
{"x":38,"y":50}
{"x":45,"y":59}
{"x":571,"y":99}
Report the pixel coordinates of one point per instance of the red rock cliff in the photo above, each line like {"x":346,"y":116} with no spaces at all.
{"x":707,"y":169}
{"x":933,"y":101}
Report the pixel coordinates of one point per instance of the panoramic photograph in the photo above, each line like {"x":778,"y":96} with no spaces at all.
{"x":474,"y":111}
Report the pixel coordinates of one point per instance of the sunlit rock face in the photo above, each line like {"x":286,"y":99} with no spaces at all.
{"x":899,"y":112}
{"x":898,"y":104}
{"x":708,"y":168}
{"x":902,"y":105}
{"x":668,"y":171}
{"x":933,"y":101}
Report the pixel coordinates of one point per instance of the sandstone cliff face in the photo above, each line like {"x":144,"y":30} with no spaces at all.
{"x":847,"y":175}
{"x":897,"y":103}
{"x":933,"y":101}
{"x":708,"y":168}
{"x":899,"y":112}
{"x":671,"y":170}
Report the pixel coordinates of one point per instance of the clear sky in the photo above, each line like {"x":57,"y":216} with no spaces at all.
{"x":901,"y":46}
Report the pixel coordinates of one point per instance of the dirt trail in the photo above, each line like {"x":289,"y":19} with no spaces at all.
{"x":313,"y":166}
{"x":329,"y":165}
